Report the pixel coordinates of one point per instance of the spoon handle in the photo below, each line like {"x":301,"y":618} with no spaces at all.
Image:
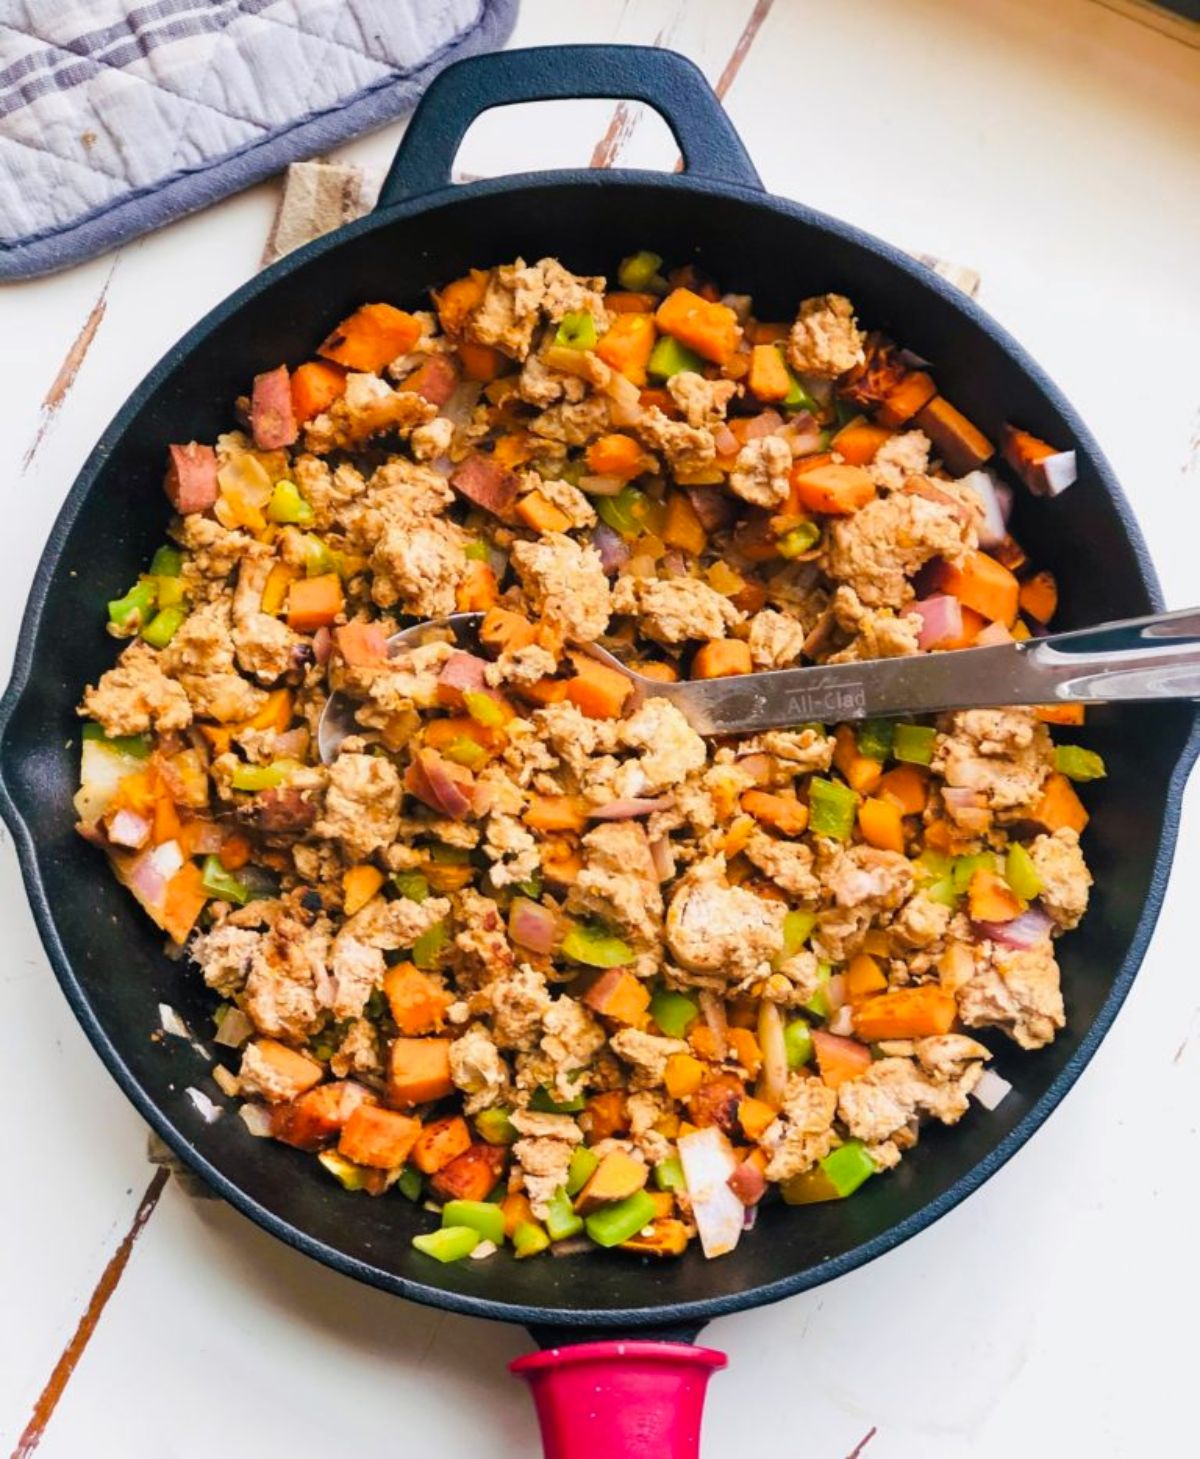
{"x":1137,"y":659}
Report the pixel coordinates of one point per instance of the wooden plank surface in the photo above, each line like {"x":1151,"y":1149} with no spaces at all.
{"x":1053,"y":146}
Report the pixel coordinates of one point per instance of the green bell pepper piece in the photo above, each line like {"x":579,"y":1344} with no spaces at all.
{"x":483,"y":709}
{"x":831,"y":807}
{"x":818,"y":1005}
{"x":127,"y":614}
{"x":942,"y":891}
{"x":1076,"y":763}
{"x":576,"y":331}
{"x":545,"y":1103}
{"x":797,"y":925}
{"x":611,"y":1225}
{"x":167,"y":562}
{"x":1020,"y":872}
{"x":411,"y":884}
{"x":963,"y":868}
{"x":495,"y":1127}
{"x":624,"y":513}
{"x":797,"y":1040}
{"x":428,"y":948}
{"x":287,"y":506}
{"x":350,"y":1176}
{"x":168,"y":592}
{"x":463,"y":750}
{"x":476,"y":551}
{"x":798,"y":540}
{"x":262,"y":777}
{"x":531,"y":888}
{"x":445,"y":855}
{"x":668,"y":1175}
{"x":669,"y":357}
{"x":318,"y":560}
{"x":579,"y":1172}
{"x":136,"y":745}
{"x":410,"y":1183}
{"x":838,"y":1175}
{"x":529,"y":1239}
{"x":639,"y":273}
{"x":163,"y":627}
{"x":218,"y":882}
{"x":573,"y":471}
{"x":451,"y":1243}
{"x":875,"y":738}
{"x":480,"y":1216}
{"x":673,"y":1012}
{"x":913,"y":743}
{"x":594,"y":946}
{"x":844,"y":411}
{"x":561,"y":1220}
{"x":935,"y":864}
{"x":797,"y":397}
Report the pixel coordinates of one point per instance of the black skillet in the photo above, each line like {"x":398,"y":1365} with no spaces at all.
{"x":109,"y":959}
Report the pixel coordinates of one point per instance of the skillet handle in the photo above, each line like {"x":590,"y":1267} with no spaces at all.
{"x":620,"y":1400}
{"x":664,"y":80}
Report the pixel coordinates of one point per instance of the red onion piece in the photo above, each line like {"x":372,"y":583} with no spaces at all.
{"x":612,"y":547}
{"x":1055,"y":473}
{"x":443,"y":786}
{"x":674,"y":565}
{"x":461,"y":672}
{"x":532,"y":926}
{"x":130,"y":830}
{"x":716,"y":509}
{"x":835,"y":991}
{"x":292,"y":744}
{"x":627,"y":809}
{"x":322,"y":645}
{"x":802,"y":434}
{"x":748,"y":1183}
{"x":941,"y":620}
{"x":663,"y":857}
{"x":993,"y":634}
{"x":766,"y":423}
{"x":602,"y":485}
{"x":462,"y":402}
{"x":996,"y":501}
{"x":625,"y":399}
{"x":758,"y":765}
{"x":726,"y":442}
{"x":1022,"y":932}
{"x":750,"y":1218}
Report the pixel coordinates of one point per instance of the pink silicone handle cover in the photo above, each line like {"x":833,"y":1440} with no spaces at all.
{"x":620,"y":1400}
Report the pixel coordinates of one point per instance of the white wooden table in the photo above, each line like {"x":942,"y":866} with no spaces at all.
{"x":1055,"y":146}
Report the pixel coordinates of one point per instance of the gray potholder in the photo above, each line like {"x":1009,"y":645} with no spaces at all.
{"x":118,"y":116}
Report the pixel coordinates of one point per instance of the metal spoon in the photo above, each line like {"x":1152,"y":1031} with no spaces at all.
{"x":1137,"y":659}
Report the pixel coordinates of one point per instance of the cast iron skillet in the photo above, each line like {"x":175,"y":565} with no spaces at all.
{"x":109,"y":959}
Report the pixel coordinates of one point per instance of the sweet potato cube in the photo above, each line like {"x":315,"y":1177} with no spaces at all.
{"x":271,"y":418}
{"x":716,"y":1103}
{"x":418,"y":1001}
{"x":991,"y":899}
{"x":961,"y":445}
{"x":471,"y":1175}
{"x":378,"y":1137}
{"x":618,"y":995}
{"x":616,"y":1178}
{"x":904,"y":400}
{"x":904,"y":1013}
{"x":317,"y":1117}
{"x":606,"y":1116}
{"x":668,"y":1237}
{"x":685,"y":1074}
{"x":372,"y":337}
{"x":293,"y":1073}
{"x":439,"y":1143}
{"x":191,"y":480}
{"x":839,"y":1059}
{"x":1059,"y":806}
{"x":418,"y":1071}
{"x":755,"y":1117}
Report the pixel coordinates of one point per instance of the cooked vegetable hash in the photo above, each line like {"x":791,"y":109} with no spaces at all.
{"x":560,"y":970}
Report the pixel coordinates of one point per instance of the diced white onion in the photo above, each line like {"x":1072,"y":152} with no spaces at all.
{"x":207,"y":1109}
{"x":235,"y":1029}
{"x":257,"y":1119}
{"x":172,"y":1023}
{"x":483,"y":1249}
{"x":1058,"y":472}
{"x":991,"y":1089}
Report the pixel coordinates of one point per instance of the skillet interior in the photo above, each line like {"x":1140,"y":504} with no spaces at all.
{"x":108,"y":957}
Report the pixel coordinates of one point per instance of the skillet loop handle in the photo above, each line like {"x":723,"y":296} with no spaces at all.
{"x":664,"y":80}
{"x":620,"y":1400}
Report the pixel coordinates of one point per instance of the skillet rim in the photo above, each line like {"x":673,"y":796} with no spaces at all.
{"x":682,"y":1314}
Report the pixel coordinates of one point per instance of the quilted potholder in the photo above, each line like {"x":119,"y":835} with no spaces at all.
{"x":118,"y":116}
